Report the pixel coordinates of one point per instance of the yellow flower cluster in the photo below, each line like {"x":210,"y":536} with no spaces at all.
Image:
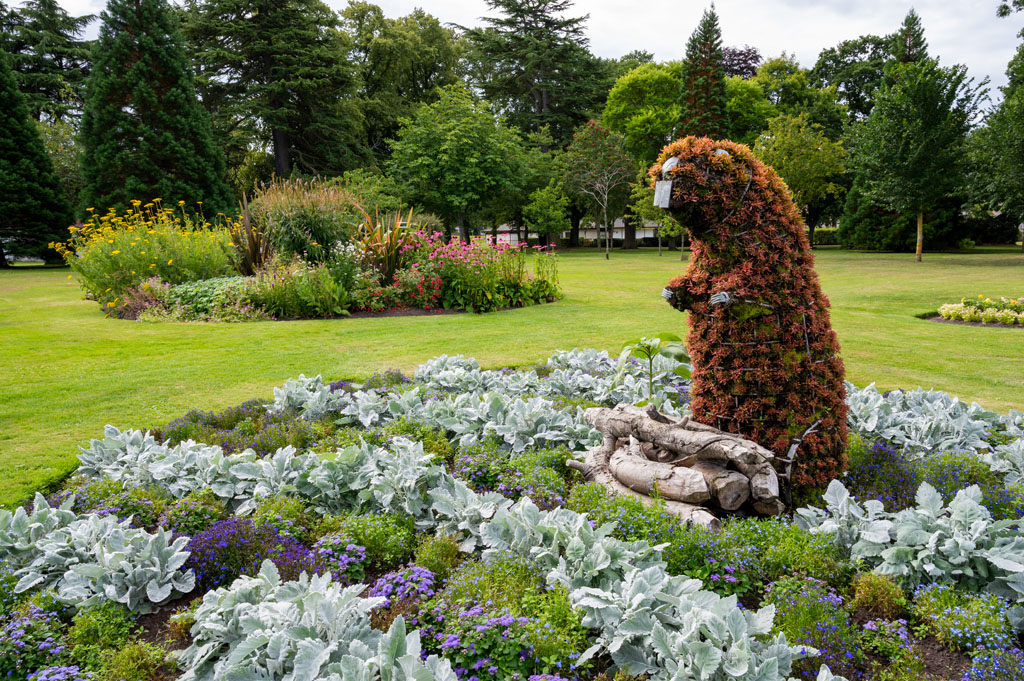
{"x":113,"y":253}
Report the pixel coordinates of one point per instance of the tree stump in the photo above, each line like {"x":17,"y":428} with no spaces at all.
{"x":693,"y":468}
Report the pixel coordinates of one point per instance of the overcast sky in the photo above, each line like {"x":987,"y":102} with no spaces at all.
{"x":958,"y":31}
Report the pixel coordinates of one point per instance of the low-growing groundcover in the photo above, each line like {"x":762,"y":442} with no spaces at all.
{"x":397,"y":529}
{"x":1004,"y":311}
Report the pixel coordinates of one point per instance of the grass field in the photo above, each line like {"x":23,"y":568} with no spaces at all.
{"x":68,"y":371}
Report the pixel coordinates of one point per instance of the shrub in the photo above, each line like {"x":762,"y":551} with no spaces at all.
{"x":387,"y":380}
{"x":389,"y":539}
{"x":113,"y":253}
{"x":141,"y":298}
{"x":964,"y":621}
{"x":305,"y":218}
{"x":419,"y":287}
{"x":878,"y":594}
{"x":440,"y":554}
{"x":201,"y":299}
{"x":286,"y":516}
{"x":293,"y":291}
{"x":368,"y":294}
{"x":98,"y":628}
{"x":29,"y":641}
{"x":193,"y":513}
{"x":137,"y":661}
{"x":811,"y":613}
{"x":880,"y":471}
{"x":826,"y":236}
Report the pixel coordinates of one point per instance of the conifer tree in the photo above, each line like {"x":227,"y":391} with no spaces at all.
{"x":908,"y":43}
{"x":144,"y":133}
{"x":702,"y":98}
{"x":275,"y":73}
{"x":33,"y":211}
{"x":52,"y":62}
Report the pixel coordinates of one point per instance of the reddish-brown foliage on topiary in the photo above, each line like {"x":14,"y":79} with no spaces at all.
{"x":766,"y":361}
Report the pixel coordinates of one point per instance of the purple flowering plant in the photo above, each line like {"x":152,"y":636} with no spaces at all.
{"x":996,"y":664}
{"x":336,"y":554}
{"x":811,"y":614}
{"x":60,"y":673}
{"x":30,"y":641}
{"x":234,"y":547}
{"x":408,"y":584}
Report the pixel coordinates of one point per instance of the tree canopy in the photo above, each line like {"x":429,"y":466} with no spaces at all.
{"x":276,"y":75}
{"x":453,"y":155}
{"x":533,"y":64}
{"x":910,"y":150}
{"x":644,"y":107}
{"x":854,"y":67}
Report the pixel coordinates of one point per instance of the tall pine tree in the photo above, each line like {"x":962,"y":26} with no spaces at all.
{"x":702,"y":99}
{"x":534,"y":65}
{"x":33,"y":211}
{"x":144,"y":133}
{"x":52,"y":61}
{"x":275,"y":74}
{"x":908,"y":43}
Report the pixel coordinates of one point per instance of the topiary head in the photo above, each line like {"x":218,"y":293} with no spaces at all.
{"x":710,"y":180}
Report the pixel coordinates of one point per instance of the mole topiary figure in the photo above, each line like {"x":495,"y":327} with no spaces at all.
{"x":765,"y":359}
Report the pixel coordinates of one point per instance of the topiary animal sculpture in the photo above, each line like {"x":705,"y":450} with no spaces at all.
{"x":766,"y":362}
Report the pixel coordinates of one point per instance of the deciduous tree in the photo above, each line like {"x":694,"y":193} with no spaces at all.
{"x":401,"y":63}
{"x":643,"y":106}
{"x":598,"y":168}
{"x":788,"y":87}
{"x":855,"y":68}
{"x":909,"y":154}
{"x":741,"y":62}
{"x":807,"y":160}
{"x":454,"y":155}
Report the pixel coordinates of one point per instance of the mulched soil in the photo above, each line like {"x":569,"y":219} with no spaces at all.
{"x":943,"y":320}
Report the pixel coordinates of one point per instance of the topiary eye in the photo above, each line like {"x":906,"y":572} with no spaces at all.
{"x":721,"y":152}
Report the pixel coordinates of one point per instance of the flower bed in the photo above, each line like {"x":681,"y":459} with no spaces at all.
{"x":158,"y":264}
{"x":430,"y":529}
{"x":1005,"y":311}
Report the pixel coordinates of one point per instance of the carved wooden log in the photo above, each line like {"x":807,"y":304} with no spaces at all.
{"x":672,"y":482}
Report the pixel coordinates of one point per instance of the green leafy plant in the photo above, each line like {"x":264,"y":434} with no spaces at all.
{"x":252,"y":246}
{"x":879,"y":595}
{"x":97,"y":629}
{"x":964,"y":621}
{"x":440,"y":554}
{"x":383,"y":240}
{"x":388,"y":538}
{"x":136,"y":661}
{"x":646,"y":349}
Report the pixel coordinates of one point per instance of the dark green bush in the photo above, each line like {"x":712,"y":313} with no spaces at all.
{"x":285,"y":515}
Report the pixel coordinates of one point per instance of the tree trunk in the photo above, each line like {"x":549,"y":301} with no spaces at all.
{"x":810,"y":233}
{"x":629,"y":233}
{"x":659,"y":240}
{"x":494,"y":231}
{"x":607,"y":236}
{"x":463,"y":228}
{"x":282,"y":153}
{"x":3,"y":257}
{"x":682,"y":246}
{"x":920,"y":235}
{"x":575,"y":218}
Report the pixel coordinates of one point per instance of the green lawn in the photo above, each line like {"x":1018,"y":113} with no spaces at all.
{"x":68,"y":370}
